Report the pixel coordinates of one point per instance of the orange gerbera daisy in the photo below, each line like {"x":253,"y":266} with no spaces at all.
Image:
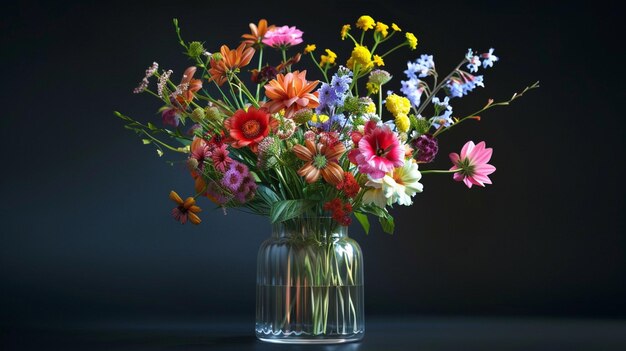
{"x":232,"y":60}
{"x":320,"y":160}
{"x":291,"y":92}
{"x":186,"y":210}
{"x":257,"y":32}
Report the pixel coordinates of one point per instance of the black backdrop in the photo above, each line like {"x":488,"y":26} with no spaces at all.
{"x":86,"y":229}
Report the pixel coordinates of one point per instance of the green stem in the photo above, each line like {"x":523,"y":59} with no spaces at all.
{"x":488,"y":106}
{"x":394,"y":49}
{"x":437,"y":88}
{"x":440,"y":171}
{"x":380,"y":101}
{"x":319,"y":67}
{"x":258,"y":86}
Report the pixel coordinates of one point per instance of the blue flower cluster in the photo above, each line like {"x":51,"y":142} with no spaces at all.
{"x":333,"y":94}
{"x":464,"y":82}
{"x":444,"y":119}
{"x":413,"y":87}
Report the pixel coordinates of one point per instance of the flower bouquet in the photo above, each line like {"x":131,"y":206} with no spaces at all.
{"x":312,"y":151}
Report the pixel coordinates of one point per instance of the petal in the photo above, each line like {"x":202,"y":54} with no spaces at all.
{"x":482,"y":157}
{"x":190,"y":201}
{"x":454,"y":157}
{"x":467,"y":182}
{"x":310,"y":173}
{"x":457,"y":176}
{"x":193,"y":218}
{"x":332,"y":173}
{"x":332,"y":154}
{"x":484,"y":169}
{"x":467,"y":148}
{"x":302,"y":153}
{"x":175,"y":197}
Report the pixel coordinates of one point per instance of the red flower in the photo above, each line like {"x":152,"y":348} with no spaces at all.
{"x":349,"y":185}
{"x":248,"y":128}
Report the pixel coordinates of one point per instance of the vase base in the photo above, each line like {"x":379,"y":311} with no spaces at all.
{"x":311,"y":341}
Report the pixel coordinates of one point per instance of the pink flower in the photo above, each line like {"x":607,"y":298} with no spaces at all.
{"x":379,"y":151}
{"x":220,"y":158}
{"x":282,"y":37}
{"x":474,"y":169}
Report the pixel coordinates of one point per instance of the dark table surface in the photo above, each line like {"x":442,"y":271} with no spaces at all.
{"x":383,"y":333}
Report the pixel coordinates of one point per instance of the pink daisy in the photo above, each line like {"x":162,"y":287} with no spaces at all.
{"x":379,"y":151}
{"x":220,"y":158}
{"x":283,"y":37}
{"x":474,"y":169}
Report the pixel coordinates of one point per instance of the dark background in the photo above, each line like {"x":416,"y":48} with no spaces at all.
{"x":86,"y":233}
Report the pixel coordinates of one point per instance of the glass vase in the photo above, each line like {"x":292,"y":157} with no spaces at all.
{"x":309,"y":284}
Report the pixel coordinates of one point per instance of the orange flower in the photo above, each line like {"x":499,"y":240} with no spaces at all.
{"x":257,"y":32}
{"x":185,"y":210}
{"x":188,"y":86}
{"x":320,"y":159}
{"x":291,"y":92}
{"x":232,"y":60}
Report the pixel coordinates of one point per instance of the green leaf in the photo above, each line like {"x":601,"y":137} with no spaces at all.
{"x":152,"y":126}
{"x":287,"y":209}
{"x":387,"y":224}
{"x":146,"y":141}
{"x":159,"y":152}
{"x":365,"y":223}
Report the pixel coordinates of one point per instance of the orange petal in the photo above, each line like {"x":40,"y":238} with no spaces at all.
{"x":332,"y":154}
{"x":302,"y":153}
{"x":174,"y":196}
{"x":194,"y":209}
{"x":310,"y":173}
{"x":193,"y":218}
{"x":332,"y":173}
{"x":190,"y":201}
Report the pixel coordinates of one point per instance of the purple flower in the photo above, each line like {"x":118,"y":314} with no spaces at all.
{"x":426,"y":146}
{"x":233,"y":177}
{"x":328,"y":97}
{"x":341,"y":84}
{"x":489,"y":58}
{"x":171,"y":117}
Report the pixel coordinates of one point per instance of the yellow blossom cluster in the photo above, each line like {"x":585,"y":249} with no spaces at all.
{"x":329,"y":58}
{"x":399,"y":107}
{"x":361,"y":57}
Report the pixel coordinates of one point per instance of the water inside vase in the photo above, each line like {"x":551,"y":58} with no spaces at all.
{"x":309,"y":310}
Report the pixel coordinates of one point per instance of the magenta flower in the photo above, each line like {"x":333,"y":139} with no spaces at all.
{"x":474,"y":169}
{"x":220,"y":158}
{"x":379,"y":151}
{"x":283,"y":37}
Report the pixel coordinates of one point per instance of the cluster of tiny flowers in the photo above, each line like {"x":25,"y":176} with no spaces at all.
{"x":413,"y":87}
{"x":463,"y":84}
{"x":239,"y":182}
{"x":163,"y":81}
{"x":143,"y":85}
{"x":180,"y":88}
{"x":426,"y":146}
{"x":474,"y":60}
{"x":349,"y":185}
{"x":334,"y":94}
{"x":339,"y":211}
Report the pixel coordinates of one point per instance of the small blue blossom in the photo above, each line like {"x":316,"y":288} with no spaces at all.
{"x":341,"y":84}
{"x":327,"y":97}
{"x":344,"y":71}
{"x":422,"y":65}
{"x":458,"y":87}
{"x":489,"y":58}
{"x":445,"y":103}
{"x":412,"y":89}
{"x":445,"y":119}
{"x":474,"y":61}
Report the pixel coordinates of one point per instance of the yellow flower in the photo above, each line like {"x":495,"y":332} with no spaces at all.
{"x":378,"y":61}
{"x":402,"y":123}
{"x":309,"y":48}
{"x":365,"y":22}
{"x":372,"y":88}
{"x":319,"y":118}
{"x":395,"y":27}
{"x":344,"y":31}
{"x":411,"y":39}
{"x":397,"y":105}
{"x":362,"y":57}
{"x":382,"y":29}
{"x":371,"y":108}
{"x":329,"y":58}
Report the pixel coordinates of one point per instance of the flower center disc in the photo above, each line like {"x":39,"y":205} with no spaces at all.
{"x":251,"y":129}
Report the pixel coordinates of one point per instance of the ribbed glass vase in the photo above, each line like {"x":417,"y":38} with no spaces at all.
{"x":309,"y":284}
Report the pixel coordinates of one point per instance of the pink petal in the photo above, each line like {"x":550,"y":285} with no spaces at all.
{"x":302,"y":101}
{"x":467,"y":182}
{"x":485,"y":169}
{"x":457,"y":176}
{"x":291,"y":101}
{"x":483,"y":157}
{"x":467,"y":148}
{"x":454,"y":157}
{"x":482,"y":179}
